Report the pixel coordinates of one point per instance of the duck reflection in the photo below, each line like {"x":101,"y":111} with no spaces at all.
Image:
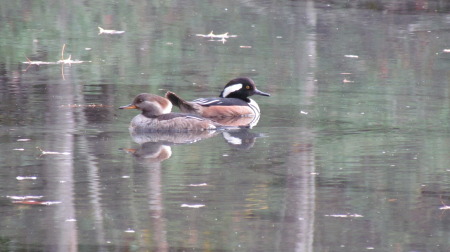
{"x":152,"y":152}
{"x":172,"y":138}
{"x":156,"y":146}
{"x":242,"y":122}
{"x":242,"y":139}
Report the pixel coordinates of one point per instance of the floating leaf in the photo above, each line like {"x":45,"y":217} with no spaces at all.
{"x":202,"y":184}
{"x":217,"y":37}
{"x":25,"y":178}
{"x":24,"y":197}
{"x":344,"y":215}
{"x":192,"y":205}
{"x":34,"y":202}
{"x":104,"y":31}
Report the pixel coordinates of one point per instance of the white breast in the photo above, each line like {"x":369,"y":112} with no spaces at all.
{"x":254,"y":106}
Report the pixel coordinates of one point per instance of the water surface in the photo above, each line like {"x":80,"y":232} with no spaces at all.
{"x":350,"y":153}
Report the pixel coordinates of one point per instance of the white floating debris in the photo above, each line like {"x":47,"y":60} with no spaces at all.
{"x":351,"y":56}
{"x":445,"y":207}
{"x":19,"y":149}
{"x":48,"y":203}
{"x":303,"y":112}
{"x":24,"y":197}
{"x":61,"y":61}
{"x":129,"y":231}
{"x":220,"y":36}
{"x":446,"y":50}
{"x":25,"y":178}
{"x":344,"y":215}
{"x":38,"y":62}
{"x":125,"y":176}
{"x":71,"y":220}
{"x":85,"y":106}
{"x":217,"y":37}
{"x":34,"y":202}
{"x":43,"y":152}
{"x":70,"y":61}
{"x":202,"y":184}
{"x":55,"y":153}
{"x":192,"y":206}
{"x":23,"y":140}
{"x":104,"y":31}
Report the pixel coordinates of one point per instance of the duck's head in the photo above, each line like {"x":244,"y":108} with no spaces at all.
{"x":241,"y":88}
{"x":150,"y":104}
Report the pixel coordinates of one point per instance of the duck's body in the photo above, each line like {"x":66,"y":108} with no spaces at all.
{"x":233,"y":101}
{"x":156,"y":117}
{"x":172,"y":122}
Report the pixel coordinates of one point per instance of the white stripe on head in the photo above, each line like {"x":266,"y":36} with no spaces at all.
{"x":230,"y":89}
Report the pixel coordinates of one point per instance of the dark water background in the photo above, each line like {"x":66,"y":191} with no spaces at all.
{"x":351,"y":152}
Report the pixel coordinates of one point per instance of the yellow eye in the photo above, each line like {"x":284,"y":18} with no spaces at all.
{"x":247,"y":87}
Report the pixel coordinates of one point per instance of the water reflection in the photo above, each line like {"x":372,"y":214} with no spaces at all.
{"x":152,"y":150}
{"x":156,"y":146}
{"x":239,"y":121}
{"x":352,"y":153}
{"x":243,"y":139}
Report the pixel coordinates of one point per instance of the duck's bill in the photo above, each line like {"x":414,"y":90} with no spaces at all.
{"x":129,"y":106}
{"x":259,"y":92}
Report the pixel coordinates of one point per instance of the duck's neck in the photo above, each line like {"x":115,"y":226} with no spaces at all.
{"x":149,"y":114}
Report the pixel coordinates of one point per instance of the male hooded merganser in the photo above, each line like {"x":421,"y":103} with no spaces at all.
{"x":232,"y":102}
{"x":156,"y":116}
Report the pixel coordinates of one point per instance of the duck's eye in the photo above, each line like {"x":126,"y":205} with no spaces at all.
{"x":247,"y":87}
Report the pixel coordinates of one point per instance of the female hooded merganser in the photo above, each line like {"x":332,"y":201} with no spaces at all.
{"x":156,"y":117}
{"x":232,"y":102}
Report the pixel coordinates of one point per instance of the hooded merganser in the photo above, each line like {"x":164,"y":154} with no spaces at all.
{"x":232,"y":102}
{"x":156,"y":116}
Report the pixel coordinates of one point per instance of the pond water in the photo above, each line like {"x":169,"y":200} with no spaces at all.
{"x":351,"y":152}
